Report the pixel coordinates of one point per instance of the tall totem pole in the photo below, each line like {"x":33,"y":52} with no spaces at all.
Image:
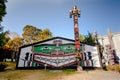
{"x":76,"y":13}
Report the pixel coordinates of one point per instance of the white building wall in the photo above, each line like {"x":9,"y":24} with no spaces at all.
{"x":116,"y":40}
{"x":103,"y":40}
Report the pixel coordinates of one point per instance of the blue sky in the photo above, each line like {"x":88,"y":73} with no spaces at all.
{"x":54,"y":14}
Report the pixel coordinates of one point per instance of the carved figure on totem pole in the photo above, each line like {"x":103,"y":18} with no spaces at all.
{"x":76,"y":13}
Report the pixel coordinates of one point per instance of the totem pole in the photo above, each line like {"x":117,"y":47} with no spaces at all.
{"x":110,"y":38}
{"x":76,"y":13}
{"x":110,"y":49}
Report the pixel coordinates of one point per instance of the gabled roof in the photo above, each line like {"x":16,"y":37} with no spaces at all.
{"x":49,"y":40}
{"x":53,"y":39}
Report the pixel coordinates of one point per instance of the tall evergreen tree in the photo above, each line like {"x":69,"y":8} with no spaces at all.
{"x":89,"y":39}
{"x":2,"y":12}
{"x":2,"y":9}
{"x":81,"y":37}
{"x":3,"y":39}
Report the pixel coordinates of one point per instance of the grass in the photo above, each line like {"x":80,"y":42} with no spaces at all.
{"x":11,"y":65}
{"x":69,"y":71}
{"x":11,"y":73}
{"x":113,"y":68}
{"x":39,"y":74}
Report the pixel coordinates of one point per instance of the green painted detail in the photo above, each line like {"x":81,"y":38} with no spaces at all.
{"x":82,"y":63}
{"x":33,"y":64}
{"x":44,"y":49}
{"x":80,"y":48}
{"x":66,"y":48}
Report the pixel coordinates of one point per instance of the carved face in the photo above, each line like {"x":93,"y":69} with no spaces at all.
{"x":48,"y":49}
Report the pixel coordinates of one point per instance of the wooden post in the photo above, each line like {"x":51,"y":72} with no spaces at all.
{"x":45,"y":65}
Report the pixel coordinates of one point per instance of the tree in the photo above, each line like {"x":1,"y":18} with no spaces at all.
{"x":3,"y":39}
{"x":45,"y":34}
{"x":2,"y":9}
{"x":12,"y":42}
{"x":15,"y":43}
{"x":81,"y":37}
{"x":89,"y":39}
{"x":13,"y":46}
{"x":30,"y":34}
{"x":2,"y":12}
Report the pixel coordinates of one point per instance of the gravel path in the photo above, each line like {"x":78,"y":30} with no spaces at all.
{"x":93,"y":75}
{"x":84,"y":75}
{"x":46,"y":75}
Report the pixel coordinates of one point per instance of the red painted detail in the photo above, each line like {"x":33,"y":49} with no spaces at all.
{"x":76,"y":30}
{"x":75,"y":21}
{"x":77,"y":39}
{"x":87,"y":62}
{"x":65,"y":64}
{"x":57,"y":53}
{"x":77,"y":42}
{"x":42,"y":54}
{"x":77,"y":46}
{"x":57,"y":42}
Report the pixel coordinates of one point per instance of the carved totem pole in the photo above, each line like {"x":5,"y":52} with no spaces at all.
{"x":76,"y":13}
{"x":110,"y":49}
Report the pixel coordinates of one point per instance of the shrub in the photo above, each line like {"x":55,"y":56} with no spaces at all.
{"x":3,"y":65}
{"x":113,"y":68}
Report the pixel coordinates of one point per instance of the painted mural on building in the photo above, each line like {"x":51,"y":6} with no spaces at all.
{"x":57,"y":52}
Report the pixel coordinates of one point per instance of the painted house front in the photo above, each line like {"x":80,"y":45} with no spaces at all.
{"x":57,"y":52}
